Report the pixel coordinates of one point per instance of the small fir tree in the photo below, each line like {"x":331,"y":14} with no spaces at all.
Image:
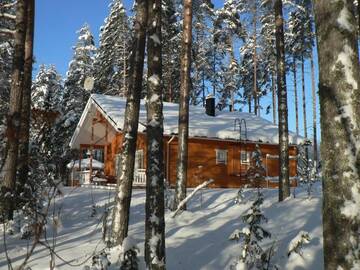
{"x":256,"y":173}
{"x":253,"y":256}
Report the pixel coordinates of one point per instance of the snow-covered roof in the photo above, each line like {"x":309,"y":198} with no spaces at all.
{"x":85,"y":163}
{"x":200,"y":124}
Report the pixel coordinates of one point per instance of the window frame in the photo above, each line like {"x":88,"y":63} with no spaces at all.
{"x":221,"y":160}
{"x":248,"y":157}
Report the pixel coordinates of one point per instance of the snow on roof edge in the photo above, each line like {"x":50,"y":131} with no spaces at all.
{"x":80,"y":123}
{"x":201,"y":125}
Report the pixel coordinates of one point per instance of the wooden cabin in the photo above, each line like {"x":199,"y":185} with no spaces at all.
{"x":220,"y":143}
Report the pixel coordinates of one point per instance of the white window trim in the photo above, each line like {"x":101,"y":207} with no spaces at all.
{"x":217,"y":155}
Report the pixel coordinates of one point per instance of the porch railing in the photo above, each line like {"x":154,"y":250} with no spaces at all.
{"x":140,"y":177}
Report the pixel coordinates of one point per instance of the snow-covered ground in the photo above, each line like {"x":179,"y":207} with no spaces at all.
{"x":196,"y":239}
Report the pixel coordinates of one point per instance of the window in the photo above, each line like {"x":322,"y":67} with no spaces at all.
{"x":139,"y":159}
{"x":244,"y":157}
{"x":221,"y":156}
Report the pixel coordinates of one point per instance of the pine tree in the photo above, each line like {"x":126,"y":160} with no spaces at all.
{"x":183,"y":127}
{"x":284,"y":182}
{"x":339,"y":78}
{"x":80,"y":68}
{"x":154,"y":205}
{"x":293,"y":43}
{"x":126,"y":163}
{"x":171,"y":33}
{"x":26,"y":96}
{"x":6,"y":58}
{"x":202,"y":49}
{"x":111,"y":60}
{"x":306,"y":49}
{"x":228,"y":29}
{"x":75,"y":95}
{"x":14,"y":113}
{"x":47,"y":90}
{"x":268,"y":52}
{"x":46,"y":98}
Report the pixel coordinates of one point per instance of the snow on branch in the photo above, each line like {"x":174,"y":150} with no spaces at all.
{"x":184,"y":201}
{"x":296,"y":245}
{"x":9,"y":5}
{"x":7,"y":16}
{"x":291,"y":3}
{"x":5,"y":31}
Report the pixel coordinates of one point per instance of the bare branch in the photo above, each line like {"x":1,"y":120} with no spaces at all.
{"x":184,"y":201}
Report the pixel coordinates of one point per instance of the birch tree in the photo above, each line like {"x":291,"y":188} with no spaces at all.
{"x":127,"y":160}
{"x":154,"y":205}
{"x":339,"y":91}
{"x":183,"y":133}
{"x":284,"y":182}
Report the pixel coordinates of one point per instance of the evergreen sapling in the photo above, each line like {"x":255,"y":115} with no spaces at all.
{"x":252,"y":256}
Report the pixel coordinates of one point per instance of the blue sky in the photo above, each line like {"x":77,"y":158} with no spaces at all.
{"x":55,"y":34}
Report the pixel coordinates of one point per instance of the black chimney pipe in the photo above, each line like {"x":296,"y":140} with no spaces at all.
{"x":210,"y":105}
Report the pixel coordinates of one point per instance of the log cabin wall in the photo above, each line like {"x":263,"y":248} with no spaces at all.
{"x":114,"y":148}
{"x":202,"y":160}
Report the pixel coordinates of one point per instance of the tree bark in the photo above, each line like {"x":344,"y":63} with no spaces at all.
{"x":313,"y":91}
{"x":273,"y":82}
{"x":127,"y":159}
{"x":255,"y":90}
{"x":303,"y":95}
{"x":296,"y":98}
{"x":340,"y":125}
{"x":14,"y":115}
{"x":182,"y":157}
{"x":154,"y":208}
{"x":284,"y":183}
{"x":358,"y":15}
{"x":26,"y":99}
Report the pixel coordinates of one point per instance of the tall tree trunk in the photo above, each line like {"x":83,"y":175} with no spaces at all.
{"x":26,"y":99}
{"x":284,"y":182}
{"x":255,"y":90}
{"x":14,"y":115}
{"x":126,"y":163}
{"x":182,"y":157}
{"x":303,"y":95}
{"x":339,"y":78}
{"x":203,"y":88}
{"x":358,"y":15}
{"x":249,"y":103}
{"x":296,"y":98}
{"x":313,"y":91}
{"x":273,"y":82}
{"x":214,"y":70}
{"x":232,"y":89}
{"x":154,"y":217}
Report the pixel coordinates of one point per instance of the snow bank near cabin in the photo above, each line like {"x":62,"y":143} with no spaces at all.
{"x":196,"y":239}
{"x":200,"y":125}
